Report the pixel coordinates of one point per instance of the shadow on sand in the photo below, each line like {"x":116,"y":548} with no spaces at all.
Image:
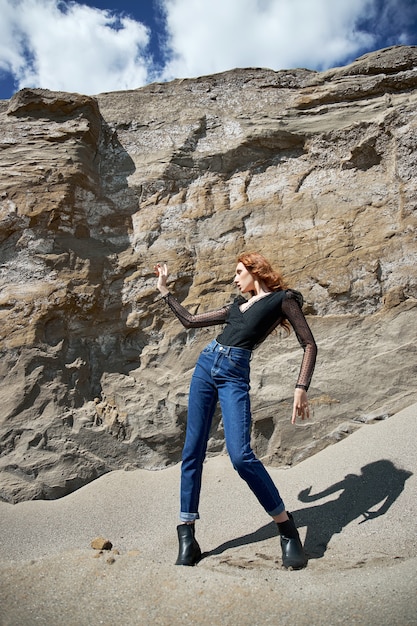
{"x":378,"y":485}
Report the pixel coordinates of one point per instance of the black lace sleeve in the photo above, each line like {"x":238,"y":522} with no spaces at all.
{"x":211,"y":318}
{"x":292,"y":310}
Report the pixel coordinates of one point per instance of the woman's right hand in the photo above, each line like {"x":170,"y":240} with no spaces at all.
{"x":162,"y":272}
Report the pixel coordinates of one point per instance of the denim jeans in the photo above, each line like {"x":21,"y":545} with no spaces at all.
{"x":222,"y":373}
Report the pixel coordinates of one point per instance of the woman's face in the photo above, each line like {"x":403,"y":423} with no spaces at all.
{"x":243,"y":279}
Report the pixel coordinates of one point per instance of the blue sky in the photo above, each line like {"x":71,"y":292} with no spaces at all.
{"x":93,"y":46}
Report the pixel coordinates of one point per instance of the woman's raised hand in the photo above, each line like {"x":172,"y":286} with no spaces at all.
{"x":162,"y":272}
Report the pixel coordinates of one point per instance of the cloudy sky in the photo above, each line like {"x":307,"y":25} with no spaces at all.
{"x":92,"y":46}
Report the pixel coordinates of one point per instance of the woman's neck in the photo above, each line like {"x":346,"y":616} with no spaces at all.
{"x":260,"y":289}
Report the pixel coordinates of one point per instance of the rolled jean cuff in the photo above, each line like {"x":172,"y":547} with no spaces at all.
{"x":278,"y":510}
{"x":189,"y":517}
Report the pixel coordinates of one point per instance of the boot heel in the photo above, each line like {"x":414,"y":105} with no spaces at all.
{"x":189,"y":551}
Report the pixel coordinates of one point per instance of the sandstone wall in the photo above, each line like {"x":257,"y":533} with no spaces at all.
{"x":316,"y":170}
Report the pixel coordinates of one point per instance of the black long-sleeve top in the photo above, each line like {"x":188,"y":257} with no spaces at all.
{"x":249,"y":328}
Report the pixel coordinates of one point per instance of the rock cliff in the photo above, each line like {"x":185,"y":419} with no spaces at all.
{"x":316,"y":170}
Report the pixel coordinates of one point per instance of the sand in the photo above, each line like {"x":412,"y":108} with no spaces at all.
{"x":362,"y":542}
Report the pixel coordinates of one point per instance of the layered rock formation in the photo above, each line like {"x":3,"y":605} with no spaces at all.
{"x":316,"y":170}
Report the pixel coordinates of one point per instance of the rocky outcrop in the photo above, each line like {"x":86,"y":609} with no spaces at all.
{"x":316,"y":170}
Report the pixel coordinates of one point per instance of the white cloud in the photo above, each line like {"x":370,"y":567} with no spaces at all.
{"x":79,"y":49}
{"x":208,"y":37}
{"x":11,"y":52}
{"x":63,"y":45}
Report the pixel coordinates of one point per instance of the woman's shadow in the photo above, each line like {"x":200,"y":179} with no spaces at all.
{"x":378,"y":485}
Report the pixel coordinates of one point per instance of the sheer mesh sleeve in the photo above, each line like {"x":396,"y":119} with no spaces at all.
{"x":292,"y":310}
{"x":211,"y":318}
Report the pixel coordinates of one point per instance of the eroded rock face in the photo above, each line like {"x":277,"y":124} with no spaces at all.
{"x":316,"y":170}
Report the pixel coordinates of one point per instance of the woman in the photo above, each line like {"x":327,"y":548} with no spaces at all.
{"x":222,"y":373}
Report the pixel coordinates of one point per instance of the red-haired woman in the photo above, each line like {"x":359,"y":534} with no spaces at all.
{"x":222,"y":374}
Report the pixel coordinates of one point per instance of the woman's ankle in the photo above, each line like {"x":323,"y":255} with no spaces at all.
{"x":282,"y":517}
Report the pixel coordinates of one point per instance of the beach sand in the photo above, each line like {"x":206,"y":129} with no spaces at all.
{"x":362,"y":567}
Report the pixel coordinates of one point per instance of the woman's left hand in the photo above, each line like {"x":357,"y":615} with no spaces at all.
{"x":300,"y":406}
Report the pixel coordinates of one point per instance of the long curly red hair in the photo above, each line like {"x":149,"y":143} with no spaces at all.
{"x":258,"y":265}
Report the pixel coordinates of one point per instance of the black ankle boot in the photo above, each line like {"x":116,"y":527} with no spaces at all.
{"x":293,"y":555}
{"x":189,"y":551}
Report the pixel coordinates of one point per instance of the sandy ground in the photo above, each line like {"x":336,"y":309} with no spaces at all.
{"x":358,"y":522}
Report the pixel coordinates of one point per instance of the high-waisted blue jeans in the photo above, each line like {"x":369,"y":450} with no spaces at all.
{"x":222,"y":373}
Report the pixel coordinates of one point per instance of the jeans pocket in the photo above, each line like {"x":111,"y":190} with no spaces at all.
{"x":240,"y":363}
